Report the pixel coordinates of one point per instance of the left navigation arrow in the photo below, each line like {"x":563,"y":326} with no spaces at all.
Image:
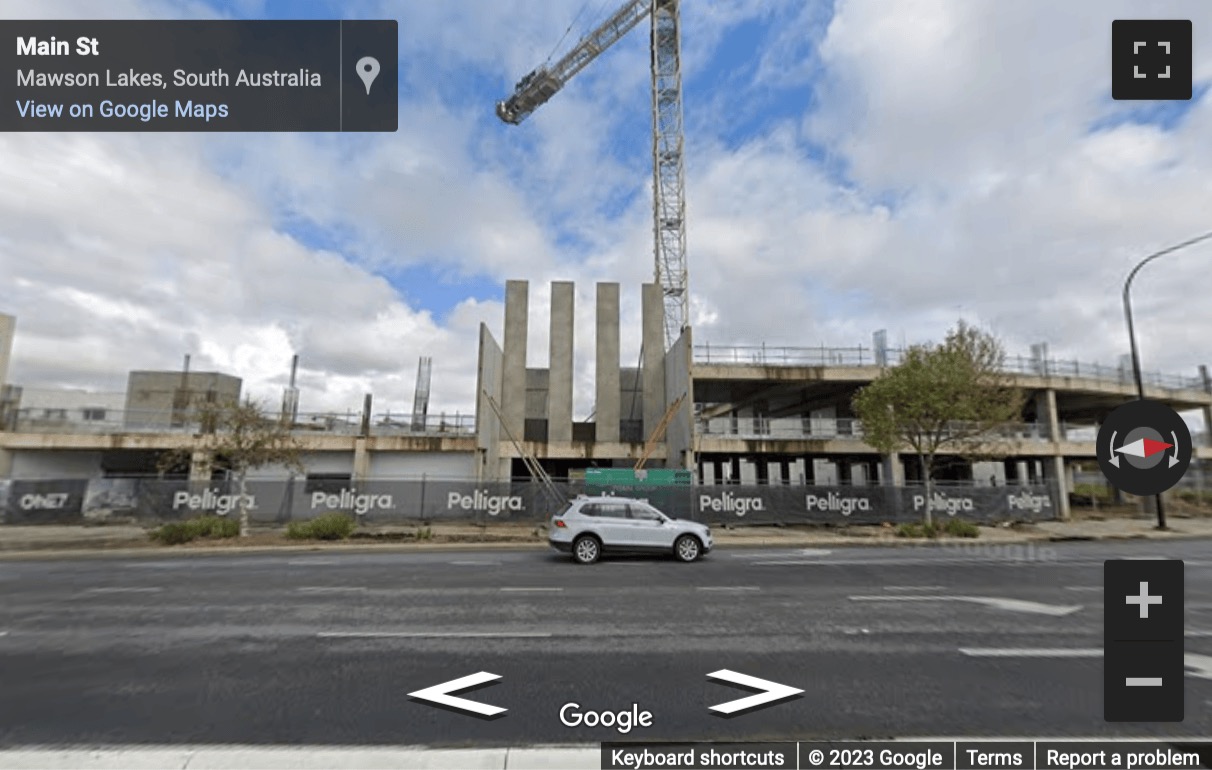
{"x":441,"y":695}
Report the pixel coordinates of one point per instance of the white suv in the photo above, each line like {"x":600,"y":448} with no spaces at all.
{"x":588,"y":526}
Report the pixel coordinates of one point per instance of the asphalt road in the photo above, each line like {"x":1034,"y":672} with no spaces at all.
{"x":324,"y":649}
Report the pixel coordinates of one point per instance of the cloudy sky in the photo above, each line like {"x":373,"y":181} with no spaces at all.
{"x":851,"y":166}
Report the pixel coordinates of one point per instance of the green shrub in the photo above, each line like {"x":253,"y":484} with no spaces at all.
{"x":961,"y":528}
{"x":1194,"y":496}
{"x":329,"y":526}
{"x":178,"y":532}
{"x":216,"y":526}
{"x":1092,"y":492}
{"x":910,"y":529}
{"x":173,"y":534}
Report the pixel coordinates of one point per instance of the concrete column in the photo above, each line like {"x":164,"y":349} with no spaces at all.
{"x":8,"y":326}
{"x":513,"y":380}
{"x":708,"y":475}
{"x":6,"y":463}
{"x":1021,"y":475}
{"x":653,"y":320}
{"x":799,"y":474}
{"x":824,"y":472}
{"x":894,"y":469}
{"x":774,"y":472}
{"x":1056,"y":475}
{"x":367,"y":405}
{"x":361,"y":460}
{"x":559,"y":383}
{"x":1207,"y":410}
{"x":1046,"y":414}
{"x":606,"y":410}
{"x":858,"y":474}
{"x":200,"y":465}
{"x":748,"y":467}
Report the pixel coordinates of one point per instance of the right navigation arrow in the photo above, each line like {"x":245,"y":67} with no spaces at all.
{"x":771,"y":692}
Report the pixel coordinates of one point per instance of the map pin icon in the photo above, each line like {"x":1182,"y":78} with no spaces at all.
{"x":368,"y":70}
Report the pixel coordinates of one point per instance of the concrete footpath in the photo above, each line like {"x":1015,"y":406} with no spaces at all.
{"x":303,"y":758}
{"x":54,"y":539}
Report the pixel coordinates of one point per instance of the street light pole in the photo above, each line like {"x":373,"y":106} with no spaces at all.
{"x":1136,"y":372}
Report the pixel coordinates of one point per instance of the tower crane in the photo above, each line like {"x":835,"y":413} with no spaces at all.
{"x":668,"y":178}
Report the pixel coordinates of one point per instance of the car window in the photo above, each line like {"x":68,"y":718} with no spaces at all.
{"x":644,"y":513}
{"x":613,"y":510}
{"x":589,"y":509}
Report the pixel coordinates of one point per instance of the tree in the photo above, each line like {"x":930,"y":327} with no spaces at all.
{"x":941,"y":399}
{"x":240,"y":437}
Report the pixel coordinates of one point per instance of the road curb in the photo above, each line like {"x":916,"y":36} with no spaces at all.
{"x":722,"y":541}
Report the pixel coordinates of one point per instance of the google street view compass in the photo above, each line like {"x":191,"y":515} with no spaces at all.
{"x":1144,"y":448}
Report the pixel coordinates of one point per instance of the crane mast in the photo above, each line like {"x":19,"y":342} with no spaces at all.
{"x":668,"y":175}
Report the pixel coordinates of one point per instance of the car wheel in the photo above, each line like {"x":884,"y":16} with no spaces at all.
{"x":586,"y":549}
{"x":687,"y":548}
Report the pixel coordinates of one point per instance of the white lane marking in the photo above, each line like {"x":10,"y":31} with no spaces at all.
{"x":330,"y":589}
{"x":1032,"y":652}
{"x":531,"y":589}
{"x":473,"y":563}
{"x":184,"y":564}
{"x":1084,"y":588}
{"x":313,"y":562}
{"x":1199,"y":666}
{"x":782,"y":562}
{"x":3,"y":633}
{"x":997,"y":602}
{"x":914,"y":588}
{"x":728,"y":588}
{"x":122,"y":590}
{"x":433,"y":635}
{"x":791,"y":554}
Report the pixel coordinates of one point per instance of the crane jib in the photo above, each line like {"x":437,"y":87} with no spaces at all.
{"x":669,"y":207}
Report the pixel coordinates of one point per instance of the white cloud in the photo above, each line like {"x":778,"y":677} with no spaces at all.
{"x":948,"y":165}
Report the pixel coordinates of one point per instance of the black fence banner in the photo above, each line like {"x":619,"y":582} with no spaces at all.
{"x":423,"y":501}
{"x":45,"y":501}
{"x":869,"y":504}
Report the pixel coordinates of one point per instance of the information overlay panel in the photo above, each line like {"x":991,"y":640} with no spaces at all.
{"x":912,"y":755}
{"x":199,"y":75}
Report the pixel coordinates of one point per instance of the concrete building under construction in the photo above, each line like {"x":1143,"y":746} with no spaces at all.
{"x":733,"y":415}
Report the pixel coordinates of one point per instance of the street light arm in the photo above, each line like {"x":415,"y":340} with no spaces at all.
{"x":1136,"y":372}
{"x":1162,"y":253}
{"x":1136,"y":369}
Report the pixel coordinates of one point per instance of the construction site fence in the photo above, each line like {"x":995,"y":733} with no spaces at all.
{"x":151,"y":501}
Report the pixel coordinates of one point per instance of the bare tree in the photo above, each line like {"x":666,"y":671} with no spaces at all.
{"x":941,"y":399}
{"x":240,"y":436}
